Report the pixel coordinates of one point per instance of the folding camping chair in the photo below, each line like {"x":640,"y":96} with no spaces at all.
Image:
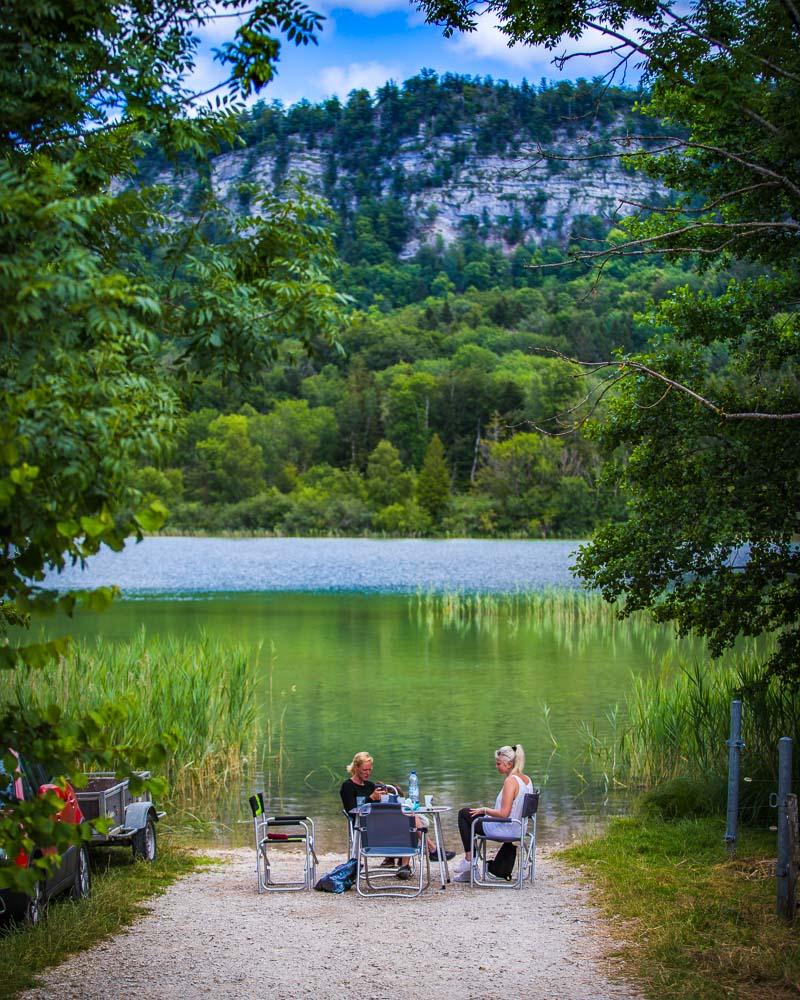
{"x":272,"y":831}
{"x":521,"y":831}
{"x":387,"y":832}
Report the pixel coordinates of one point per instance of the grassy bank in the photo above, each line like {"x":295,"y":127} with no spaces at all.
{"x":698,"y":925}
{"x":120,"y":887}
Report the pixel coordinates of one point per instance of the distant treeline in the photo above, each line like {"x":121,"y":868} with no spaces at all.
{"x":427,"y":423}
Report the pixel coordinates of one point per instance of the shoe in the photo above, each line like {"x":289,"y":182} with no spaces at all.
{"x":498,"y":878}
{"x":404,"y":872}
{"x":388,"y":863}
{"x":434,"y":855}
{"x":462,"y":876}
{"x":462,"y":866}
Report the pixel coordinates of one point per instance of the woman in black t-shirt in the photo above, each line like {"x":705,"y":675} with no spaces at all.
{"x":358,"y":784}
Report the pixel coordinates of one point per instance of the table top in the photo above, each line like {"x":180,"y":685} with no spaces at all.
{"x":421,"y":808}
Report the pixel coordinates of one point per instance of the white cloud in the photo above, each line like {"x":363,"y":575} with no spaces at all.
{"x":488,"y":42}
{"x":340,"y":80}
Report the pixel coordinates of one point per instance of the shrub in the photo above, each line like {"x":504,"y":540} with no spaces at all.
{"x":684,"y":798}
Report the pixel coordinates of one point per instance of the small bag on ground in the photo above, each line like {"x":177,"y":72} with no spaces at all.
{"x":502,"y":864}
{"x":339,"y":879}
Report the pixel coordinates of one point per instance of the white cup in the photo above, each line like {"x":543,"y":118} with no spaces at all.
{"x":428,"y":801}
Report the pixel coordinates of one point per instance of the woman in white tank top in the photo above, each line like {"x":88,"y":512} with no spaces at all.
{"x":509,"y":761}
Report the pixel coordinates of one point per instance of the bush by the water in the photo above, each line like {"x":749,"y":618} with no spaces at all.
{"x":684,"y":798}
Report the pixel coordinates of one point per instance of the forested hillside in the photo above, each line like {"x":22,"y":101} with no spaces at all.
{"x":427,"y":419}
{"x":434,"y":162}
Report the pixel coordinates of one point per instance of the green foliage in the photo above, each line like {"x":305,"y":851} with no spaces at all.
{"x":232,"y":465}
{"x":684,"y":798}
{"x":387,"y":483}
{"x":46,"y":735}
{"x":407,"y":374}
{"x":293,"y":433}
{"x":520,"y":473}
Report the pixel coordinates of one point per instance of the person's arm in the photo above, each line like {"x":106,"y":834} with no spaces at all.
{"x":510,"y":788}
{"x":348,"y":795}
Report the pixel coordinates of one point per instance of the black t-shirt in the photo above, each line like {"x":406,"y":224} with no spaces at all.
{"x":350,"y":791}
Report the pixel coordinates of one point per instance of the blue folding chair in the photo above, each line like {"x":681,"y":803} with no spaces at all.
{"x":385,"y":831}
{"x":520,"y":831}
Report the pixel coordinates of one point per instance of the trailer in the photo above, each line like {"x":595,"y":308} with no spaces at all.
{"x":132,"y":818}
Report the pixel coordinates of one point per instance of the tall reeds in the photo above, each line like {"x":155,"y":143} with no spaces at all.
{"x":676,"y":723}
{"x":458,"y":609}
{"x":203,"y":691}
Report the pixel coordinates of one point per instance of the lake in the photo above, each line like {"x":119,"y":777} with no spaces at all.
{"x":357,"y":659}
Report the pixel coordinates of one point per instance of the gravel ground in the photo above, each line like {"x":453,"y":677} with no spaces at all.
{"x":211,"y":934}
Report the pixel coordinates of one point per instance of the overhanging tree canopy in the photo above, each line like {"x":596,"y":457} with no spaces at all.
{"x":109,"y":301}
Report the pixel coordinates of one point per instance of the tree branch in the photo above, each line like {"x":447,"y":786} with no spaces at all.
{"x":760,"y":120}
{"x":792,"y":11}
{"x":628,"y":367}
{"x":723,"y":47}
{"x":667,"y":210}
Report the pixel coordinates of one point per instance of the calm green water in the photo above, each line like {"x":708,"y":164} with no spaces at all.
{"x":355,"y":671}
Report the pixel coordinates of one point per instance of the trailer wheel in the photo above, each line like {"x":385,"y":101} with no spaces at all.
{"x":82,"y":885}
{"x":144,"y":842}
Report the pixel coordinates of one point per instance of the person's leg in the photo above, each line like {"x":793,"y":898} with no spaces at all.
{"x":465,"y":829}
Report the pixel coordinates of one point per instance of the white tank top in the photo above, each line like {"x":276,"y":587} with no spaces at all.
{"x":491,"y":828}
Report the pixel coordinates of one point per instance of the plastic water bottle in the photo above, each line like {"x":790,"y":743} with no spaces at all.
{"x":413,"y":787}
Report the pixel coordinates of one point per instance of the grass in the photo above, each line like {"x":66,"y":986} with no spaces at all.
{"x":120,"y":888}
{"x":698,"y":925}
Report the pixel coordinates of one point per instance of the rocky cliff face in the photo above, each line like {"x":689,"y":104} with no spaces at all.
{"x":532,"y":191}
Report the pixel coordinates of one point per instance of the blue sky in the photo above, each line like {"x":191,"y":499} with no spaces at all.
{"x":364,"y":43}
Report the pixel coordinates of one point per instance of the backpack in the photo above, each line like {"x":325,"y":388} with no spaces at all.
{"x":502,"y":864}
{"x":340,"y":878}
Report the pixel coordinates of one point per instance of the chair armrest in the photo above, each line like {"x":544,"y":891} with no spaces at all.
{"x":286,"y":820}
{"x":493,"y":819}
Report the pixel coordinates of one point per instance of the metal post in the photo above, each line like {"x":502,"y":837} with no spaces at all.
{"x":735,"y":747}
{"x":784,"y":848}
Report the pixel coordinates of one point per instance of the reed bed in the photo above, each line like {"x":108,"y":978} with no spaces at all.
{"x":679,"y":719}
{"x":675,"y":723}
{"x":201,"y":691}
{"x":461,"y":609}
{"x":577,"y":617}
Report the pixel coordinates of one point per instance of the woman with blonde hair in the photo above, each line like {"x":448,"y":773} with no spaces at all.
{"x":510,"y":762}
{"x":359,"y":786}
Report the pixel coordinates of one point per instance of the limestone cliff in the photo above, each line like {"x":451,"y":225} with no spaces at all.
{"x":546,"y":194}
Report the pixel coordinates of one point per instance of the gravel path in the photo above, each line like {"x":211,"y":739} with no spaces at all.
{"x":211,"y":934}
